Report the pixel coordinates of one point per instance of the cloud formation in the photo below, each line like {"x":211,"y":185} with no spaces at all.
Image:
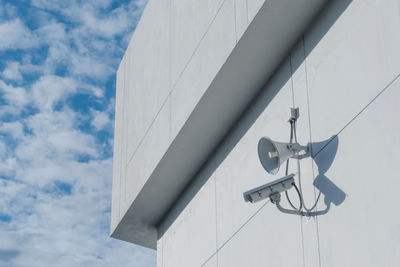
{"x":57,"y":87}
{"x":15,"y":35}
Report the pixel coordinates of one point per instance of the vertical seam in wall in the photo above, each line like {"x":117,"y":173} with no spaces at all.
{"x":173,"y":86}
{"x":168,"y":96}
{"x":199,"y":43}
{"x":170,"y":71}
{"x":298,"y":161}
{"x":302,"y":241}
{"x":311,"y":139}
{"x":125,"y":128}
{"x":216,"y":206}
{"x":162,"y":252}
{"x":170,"y":46}
{"x":301,"y":217}
{"x":247,"y":12}
{"x":234,"y":12}
{"x":291,"y":78}
{"x":120,"y":152}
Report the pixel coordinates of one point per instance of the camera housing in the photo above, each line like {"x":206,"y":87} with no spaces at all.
{"x":265,"y":191}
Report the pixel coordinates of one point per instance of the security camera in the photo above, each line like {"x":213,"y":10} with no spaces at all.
{"x":265,"y":191}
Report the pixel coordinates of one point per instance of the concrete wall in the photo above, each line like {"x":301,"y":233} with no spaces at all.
{"x":175,"y":53}
{"x":190,"y":70}
{"x":344,"y":76}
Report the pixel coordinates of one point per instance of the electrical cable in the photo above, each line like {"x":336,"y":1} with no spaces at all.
{"x":299,"y":194}
{"x":287,"y":173}
{"x":299,"y":210}
{"x":287,"y":195}
{"x":298,"y":171}
{"x":315,"y":204}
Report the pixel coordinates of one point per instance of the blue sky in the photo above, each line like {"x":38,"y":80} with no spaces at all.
{"x":58,"y":60}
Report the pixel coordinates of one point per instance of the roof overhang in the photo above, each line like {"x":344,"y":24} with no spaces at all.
{"x":265,"y":43}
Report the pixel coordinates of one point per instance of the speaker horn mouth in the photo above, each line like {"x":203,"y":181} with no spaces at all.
{"x":268,"y":155}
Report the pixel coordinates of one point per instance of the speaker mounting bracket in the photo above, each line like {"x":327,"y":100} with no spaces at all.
{"x":296,"y":148}
{"x":294,"y":114}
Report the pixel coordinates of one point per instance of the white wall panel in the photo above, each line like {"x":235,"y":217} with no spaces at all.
{"x":153,"y":147}
{"x":356,"y":59}
{"x":116,"y":183}
{"x":159,"y":253}
{"x":269,"y":239}
{"x":213,"y":262}
{"x":304,"y":136}
{"x":205,"y":63}
{"x":183,"y":45}
{"x":123,"y":205}
{"x":253,"y":6}
{"x":239,"y":168}
{"x":241,"y":15}
{"x":190,"y":21}
{"x":364,"y":229}
{"x":191,"y":235}
{"x":346,"y":60}
{"x":147,"y":67}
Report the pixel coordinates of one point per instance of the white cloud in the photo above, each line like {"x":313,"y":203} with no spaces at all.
{"x":12,"y":71}
{"x":52,"y":31}
{"x":9,"y":10}
{"x":49,"y":90}
{"x":67,"y":230}
{"x":90,"y":14}
{"x":15,"y":35}
{"x":96,"y":91}
{"x":115,"y":23}
{"x":25,"y":66}
{"x":16,"y":97}
{"x":8,"y":166}
{"x":48,"y":146}
{"x":56,"y":131}
{"x":71,"y":229}
{"x":15,"y":129}
{"x":3,"y":148}
{"x":89,"y":66}
{"x":100,"y":119}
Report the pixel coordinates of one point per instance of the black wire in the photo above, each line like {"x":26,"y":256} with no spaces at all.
{"x":302,"y":204}
{"x":286,"y":193}
{"x":315,"y":204}
{"x":290,"y":202}
{"x":301,"y":201}
{"x":299,"y":194}
{"x":287,"y":172}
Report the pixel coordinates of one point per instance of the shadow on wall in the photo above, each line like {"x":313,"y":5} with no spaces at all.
{"x":323,"y":154}
{"x":327,"y":17}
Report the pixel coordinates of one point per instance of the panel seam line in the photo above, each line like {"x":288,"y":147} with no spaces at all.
{"x":173,"y":87}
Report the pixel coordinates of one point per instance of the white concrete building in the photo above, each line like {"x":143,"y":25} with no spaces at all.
{"x":203,"y":80}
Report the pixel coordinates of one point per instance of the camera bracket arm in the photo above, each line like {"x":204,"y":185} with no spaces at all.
{"x":276,"y":199}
